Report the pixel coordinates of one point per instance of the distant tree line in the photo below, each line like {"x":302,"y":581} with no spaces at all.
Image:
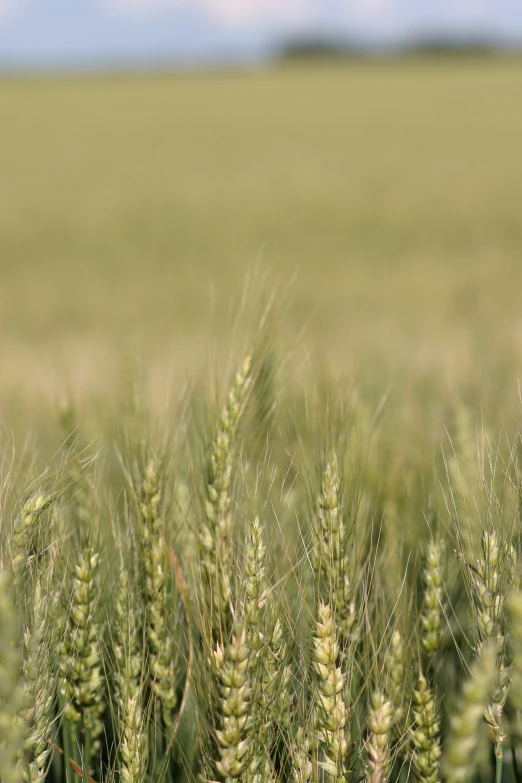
{"x":322,"y":47}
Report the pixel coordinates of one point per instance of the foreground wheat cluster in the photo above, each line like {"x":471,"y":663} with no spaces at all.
{"x":252,"y":612}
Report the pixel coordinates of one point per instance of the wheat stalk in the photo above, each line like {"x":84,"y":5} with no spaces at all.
{"x":395,"y":666}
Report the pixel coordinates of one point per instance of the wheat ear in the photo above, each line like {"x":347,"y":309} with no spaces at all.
{"x":331,"y":554}
{"x":11,"y":693}
{"x":330,"y":707}
{"x":231,"y":666}
{"x":25,"y":532}
{"x":425,"y":734}
{"x":380,"y":722}
{"x":39,"y":682}
{"x":82,"y":680}
{"x":255,"y":573}
{"x":215,"y":535}
{"x":433,"y":603}
{"x":133,"y":749}
{"x":514,"y":605}
{"x":159,"y":639}
{"x":465,"y":725}
{"x":489,"y":600}
{"x":134,"y":740}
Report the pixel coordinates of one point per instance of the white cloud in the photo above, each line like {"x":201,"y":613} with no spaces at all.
{"x":255,"y":11}
{"x":371,"y":7}
{"x":300,"y":13}
{"x":231,"y":13}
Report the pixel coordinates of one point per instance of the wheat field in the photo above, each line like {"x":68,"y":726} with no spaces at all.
{"x":260,"y":483}
{"x":239,"y":600}
{"x":380,"y":200}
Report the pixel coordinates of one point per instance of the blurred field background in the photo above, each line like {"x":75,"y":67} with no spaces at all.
{"x":380,"y":203}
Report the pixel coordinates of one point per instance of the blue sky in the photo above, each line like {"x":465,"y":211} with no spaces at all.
{"x":40,"y":33}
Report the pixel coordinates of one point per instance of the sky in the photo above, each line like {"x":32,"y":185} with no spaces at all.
{"x":77,"y":33}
